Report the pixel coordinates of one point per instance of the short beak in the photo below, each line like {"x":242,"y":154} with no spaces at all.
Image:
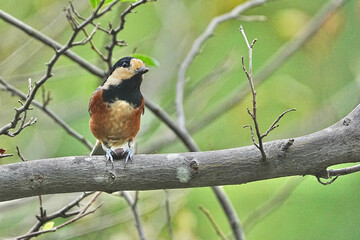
{"x":142,"y":70}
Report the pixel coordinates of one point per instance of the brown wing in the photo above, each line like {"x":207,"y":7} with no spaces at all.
{"x":91,"y":99}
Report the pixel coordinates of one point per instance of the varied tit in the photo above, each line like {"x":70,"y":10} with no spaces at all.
{"x":116,"y":107}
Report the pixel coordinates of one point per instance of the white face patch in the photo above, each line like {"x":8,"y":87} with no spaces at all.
{"x":121,"y":73}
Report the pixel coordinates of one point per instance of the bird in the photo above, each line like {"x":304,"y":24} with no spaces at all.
{"x":115,"y":109}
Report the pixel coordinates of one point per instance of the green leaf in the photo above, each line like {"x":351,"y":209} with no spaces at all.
{"x":48,"y":226}
{"x":95,"y":3}
{"x":149,"y":61}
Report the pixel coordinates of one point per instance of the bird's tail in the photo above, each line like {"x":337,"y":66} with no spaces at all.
{"x":97,"y":149}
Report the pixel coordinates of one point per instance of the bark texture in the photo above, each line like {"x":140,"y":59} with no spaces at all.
{"x":306,"y":155}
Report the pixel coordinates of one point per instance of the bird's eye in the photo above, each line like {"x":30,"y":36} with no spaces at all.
{"x":125,"y":65}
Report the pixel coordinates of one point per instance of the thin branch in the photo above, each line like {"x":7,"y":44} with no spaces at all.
{"x":20,"y":155}
{"x":271,"y":65}
{"x":213,"y":223}
{"x":88,"y":37}
{"x":115,"y":31}
{"x":252,"y":135}
{"x":253,"y":114}
{"x":133,"y":204}
{"x":51,"y":43}
{"x":32,"y":91}
{"x":76,"y":13}
{"x":191,"y":145}
{"x":63,"y":212}
{"x":326,"y":183}
{"x":195,"y":49}
{"x":78,"y":217}
{"x":164,"y":117}
{"x":11,"y":89}
{"x":230,"y":213}
{"x":343,"y":171}
{"x":168,"y":214}
{"x":6,"y":155}
{"x":45,"y":97}
{"x":275,"y":125}
{"x":333,"y":174}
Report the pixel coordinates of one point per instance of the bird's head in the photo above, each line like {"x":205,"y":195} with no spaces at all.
{"x":126,"y":69}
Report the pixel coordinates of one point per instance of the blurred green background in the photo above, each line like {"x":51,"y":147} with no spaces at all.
{"x":321,"y":81}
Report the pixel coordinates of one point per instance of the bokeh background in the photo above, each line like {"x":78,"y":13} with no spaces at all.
{"x":322,"y":81}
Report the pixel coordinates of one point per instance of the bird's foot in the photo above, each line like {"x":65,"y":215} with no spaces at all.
{"x":119,"y":153}
{"x":129,"y":155}
{"x":110,"y":156}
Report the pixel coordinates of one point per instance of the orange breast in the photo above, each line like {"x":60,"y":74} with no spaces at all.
{"x":114,"y":123}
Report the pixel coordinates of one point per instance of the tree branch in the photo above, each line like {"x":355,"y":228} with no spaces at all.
{"x":63,"y":212}
{"x":186,"y":138}
{"x":11,"y":89}
{"x":230,"y":213}
{"x":271,"y":65}
{"x":308,"y":155}
{"x":51,"y":43}
{"x":195,"y":49}
{"x":213,"y":223}
{"x":133,"y":204}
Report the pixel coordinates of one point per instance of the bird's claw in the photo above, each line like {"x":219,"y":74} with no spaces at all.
{"x":110,"y":157}
{"x":129,"y":155}
{"x":119,"y":153}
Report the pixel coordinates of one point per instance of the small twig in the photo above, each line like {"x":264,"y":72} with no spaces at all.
{"x":195,"y":49}
{"x":20,"y":155}
{"x":50,"y":65}
{"x":165,"y":118}
{"x":11,"y":89}
{"x":343,"y":171}
{"x":77,"y":14}
{"x":275,"y":125}
{"x":253,"y":114}
{"x":42,"y":216}
{"x":93,"y":199}
{"x":252,"y":135}
{"x":63,"y":212}
{"x":133,"y":204}
{"x":326,"y":183}
{"x":34,"y":234}
{"x":46,"y":97}
{"x":333,"y":174}
{"x":230,"y":213}
{"x":52,"y":43}
{"x":115,"y":31}
{"x":87,"y":39}
{"x":168,"y":214}
{"x":6,"y":155}
{"x":76,"y":23}
{"x":288,"y":144}
{"x":271,"y":65}
{"x":191,"y":145}
{"x":213,"y":223}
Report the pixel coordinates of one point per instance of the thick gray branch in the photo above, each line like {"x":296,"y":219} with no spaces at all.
{"x":307,"y":155}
